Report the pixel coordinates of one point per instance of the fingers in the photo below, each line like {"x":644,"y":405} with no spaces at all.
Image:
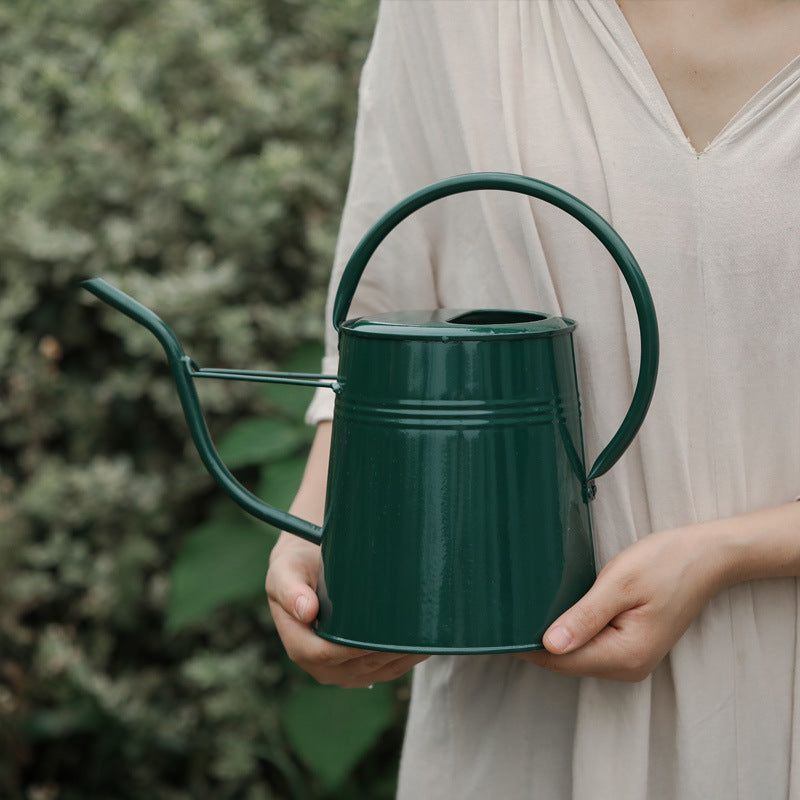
{"x":601,"y":636}
{"x":294,"y":606}
{"x":643,"y":601}
{"x":589,"y":616}
{"x":613,"y":654}
{"x":377,"y":668}
{"x":290,"y":584}
{"x":335,"y":664}
{"x":307,"y":649}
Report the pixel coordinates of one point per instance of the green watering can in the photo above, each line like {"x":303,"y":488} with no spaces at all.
{"x":457,"y":517}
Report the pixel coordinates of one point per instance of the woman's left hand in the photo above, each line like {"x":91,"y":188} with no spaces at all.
{"x":639,"y":606}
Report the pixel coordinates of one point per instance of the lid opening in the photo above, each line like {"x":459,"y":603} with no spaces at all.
{"x":495,"y":317}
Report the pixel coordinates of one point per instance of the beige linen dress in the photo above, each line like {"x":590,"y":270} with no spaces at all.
{"x":560,"y":90}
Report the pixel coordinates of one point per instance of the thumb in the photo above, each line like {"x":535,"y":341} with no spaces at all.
{"x":290,"y":586}
{"x":583,"y":621}
{"x":306,"y":606}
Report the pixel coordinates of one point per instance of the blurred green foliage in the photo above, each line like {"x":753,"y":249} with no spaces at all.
{"x":196,"y":153}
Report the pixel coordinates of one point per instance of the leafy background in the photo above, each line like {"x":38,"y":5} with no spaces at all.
{"x":196,"y":153}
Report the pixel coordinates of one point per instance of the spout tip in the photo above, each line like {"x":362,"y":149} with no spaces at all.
{"x":133,"y":309}
{"x":93,"y":285}
{"x":110,"y":294}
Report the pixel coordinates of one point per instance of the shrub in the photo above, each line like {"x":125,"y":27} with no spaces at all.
{"x":195,"y":152}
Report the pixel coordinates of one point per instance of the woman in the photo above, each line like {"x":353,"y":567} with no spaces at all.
{"x":679,"y":121}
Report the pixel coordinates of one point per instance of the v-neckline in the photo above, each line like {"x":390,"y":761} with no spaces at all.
{"x":650,"y":84}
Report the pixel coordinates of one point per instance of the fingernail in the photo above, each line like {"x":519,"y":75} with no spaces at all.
{"x":558,"y":638}
{"x":300,"y":606}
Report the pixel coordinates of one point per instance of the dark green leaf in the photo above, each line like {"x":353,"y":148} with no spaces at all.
{"x":218,"y":563}
{"x":280,"y":481}
{"x":260,"y":441}
{"x":332,"y":729}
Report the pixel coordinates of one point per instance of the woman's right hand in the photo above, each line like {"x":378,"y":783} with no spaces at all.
{"x":291,"y":588}
{"x":291,"y":583}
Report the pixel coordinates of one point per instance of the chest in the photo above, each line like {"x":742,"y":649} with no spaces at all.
{"x":712,"y":56}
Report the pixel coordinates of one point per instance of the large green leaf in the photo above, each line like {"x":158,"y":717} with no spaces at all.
{"x":218,"y":563}
{"x":280,"y":481}
{"x":332,"y":729}
{"x":259,"y":441}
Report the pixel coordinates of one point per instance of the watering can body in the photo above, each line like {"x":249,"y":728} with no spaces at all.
{"x":457,"y":515}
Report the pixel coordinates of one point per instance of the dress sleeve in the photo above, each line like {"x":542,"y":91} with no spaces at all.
{"x":391,"y":160}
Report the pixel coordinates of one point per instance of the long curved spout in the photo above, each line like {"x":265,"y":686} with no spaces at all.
{"x":181,"y":367}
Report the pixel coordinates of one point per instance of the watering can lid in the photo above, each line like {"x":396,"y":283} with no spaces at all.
{"x":449,"y":323}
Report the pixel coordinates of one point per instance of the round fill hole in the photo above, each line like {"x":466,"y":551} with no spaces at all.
{"x":496,"y":317}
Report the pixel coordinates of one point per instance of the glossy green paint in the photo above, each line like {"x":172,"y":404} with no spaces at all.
{"x":184,"y":371}
{"x":456,"y":520}
{"x":590,"y":219}
{"x":457,"y":515}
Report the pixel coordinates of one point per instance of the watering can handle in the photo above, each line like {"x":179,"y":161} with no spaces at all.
{"x":645,"y":312}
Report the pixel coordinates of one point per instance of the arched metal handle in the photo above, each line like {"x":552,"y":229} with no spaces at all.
{"x":645,"y":312}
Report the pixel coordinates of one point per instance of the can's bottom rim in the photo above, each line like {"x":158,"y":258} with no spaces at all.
{"x":435,"y":650}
